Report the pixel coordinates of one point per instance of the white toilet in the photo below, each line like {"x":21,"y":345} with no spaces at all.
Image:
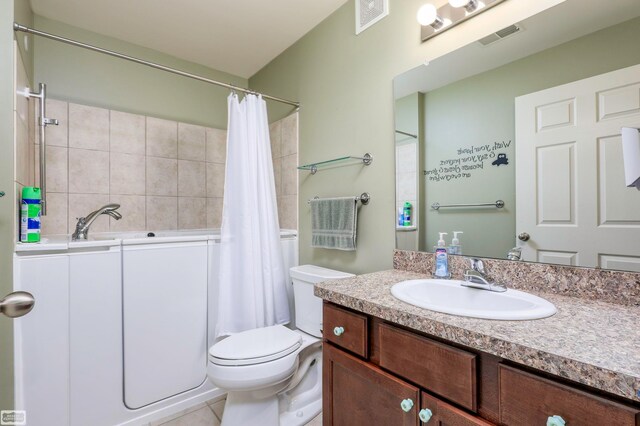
{"x":273,"y":375}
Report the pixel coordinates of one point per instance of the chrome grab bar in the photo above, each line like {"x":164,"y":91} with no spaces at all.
{"x":43,"y":121}
{"x":498,"y":204}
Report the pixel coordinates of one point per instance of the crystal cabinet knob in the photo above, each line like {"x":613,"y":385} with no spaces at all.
{"x":338,"y":331}
{"x":406,"y":405}
{"x":425,"y":415}
{"x":555,"y":421}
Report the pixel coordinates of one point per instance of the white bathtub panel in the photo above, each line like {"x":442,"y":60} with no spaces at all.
{"x":42,"y":340}
{"x":95,"y":333}
{"x":165,"y":320}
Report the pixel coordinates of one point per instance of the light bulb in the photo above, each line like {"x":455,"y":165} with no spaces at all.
{"x":427,"y":14}
{"x":458,"y":3}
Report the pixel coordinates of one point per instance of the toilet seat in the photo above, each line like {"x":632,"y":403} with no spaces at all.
{"x":255,"y":346}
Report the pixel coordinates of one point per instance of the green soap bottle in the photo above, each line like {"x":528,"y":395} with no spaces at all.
{"x":407,"y":213}
{"x":30,"y":215}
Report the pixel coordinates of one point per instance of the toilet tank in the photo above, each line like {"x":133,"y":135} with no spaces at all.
{"x":308,"y":307}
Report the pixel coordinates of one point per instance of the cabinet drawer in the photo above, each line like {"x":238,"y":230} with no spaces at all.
{"x":439,"y":368}
{"x":526,"y":399}
{"x":345,"y":329}
{"x":443,"y":414}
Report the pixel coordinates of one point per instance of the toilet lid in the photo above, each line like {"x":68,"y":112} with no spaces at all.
{"x":255,"y":346}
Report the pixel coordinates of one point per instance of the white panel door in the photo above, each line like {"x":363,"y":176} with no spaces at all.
{"x":571,"y":196}
{"x":164,"y":298}
{"x":95,"y":334}
{"x":42,"y":340}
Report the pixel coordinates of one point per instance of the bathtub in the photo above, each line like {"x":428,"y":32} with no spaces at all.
{"x":121,"y":326}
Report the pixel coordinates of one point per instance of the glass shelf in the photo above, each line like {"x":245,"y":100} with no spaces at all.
{"x":366,"y":159}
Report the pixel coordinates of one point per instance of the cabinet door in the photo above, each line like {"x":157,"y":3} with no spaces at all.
{"x":358,"y":393}
{"x":443,"y":414}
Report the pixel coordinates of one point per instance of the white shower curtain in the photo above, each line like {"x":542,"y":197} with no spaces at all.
{"x":252,"y":289}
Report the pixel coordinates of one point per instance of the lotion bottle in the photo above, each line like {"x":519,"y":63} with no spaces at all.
{"x":455,"y":247}
{"x":442,"y":259}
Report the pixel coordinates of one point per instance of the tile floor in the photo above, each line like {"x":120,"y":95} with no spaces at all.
{"x":207,"y":414}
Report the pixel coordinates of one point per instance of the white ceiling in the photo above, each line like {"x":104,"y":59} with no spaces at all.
{"x":236,"y":36}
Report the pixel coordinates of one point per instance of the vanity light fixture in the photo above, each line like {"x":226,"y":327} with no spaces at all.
{"x":435,"y":21}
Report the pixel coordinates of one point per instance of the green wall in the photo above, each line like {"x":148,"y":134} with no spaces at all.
{"x":480,"y":110}
{"x":344,"y":83}
{"x":78,"y":75}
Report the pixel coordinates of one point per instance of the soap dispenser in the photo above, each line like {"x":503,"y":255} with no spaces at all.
{"x":442,"y":260}
{"x":455,"y":247}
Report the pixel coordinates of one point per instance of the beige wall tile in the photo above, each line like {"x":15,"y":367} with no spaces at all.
{"x":288,"y":211}
{"x":80,"y":205}
{"x":162,"y":176}
{"x":191,"y":178}
{"x":132,"y":208}
{"x":162,"y":213}
{"x":191,"y":142}
{"x":88,"y":127}
{"x":127,"y":175}
{"x":22,"y":165}
{"x":290,"y":175}
{"x":192,"y":213}
{"x":127,"y":133}
{"x":214,"y":212}
{"x":216,"y":145}
{"x":57,"y":169}
{"x":56,"y":135}
{"x":56,"y":221}
{"x":275,"y":135}
{"x":88,"y":171}
{"x":290,"y":134}
{"x":162,"y":138}
{"x":215,"y":180}
{"x":277,"y":175}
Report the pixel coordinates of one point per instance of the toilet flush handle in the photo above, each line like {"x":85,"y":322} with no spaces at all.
{"x":338,"y":331}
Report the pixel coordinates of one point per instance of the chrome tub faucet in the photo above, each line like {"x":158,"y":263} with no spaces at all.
{"x":82,"y":227}
{"x":476,"y":277}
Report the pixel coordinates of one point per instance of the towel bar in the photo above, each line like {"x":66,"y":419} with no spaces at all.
{"x":363,"y":198}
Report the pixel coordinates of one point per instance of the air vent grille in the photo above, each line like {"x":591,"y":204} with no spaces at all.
{"x":368,"y":12}
{"x":499,"y":35}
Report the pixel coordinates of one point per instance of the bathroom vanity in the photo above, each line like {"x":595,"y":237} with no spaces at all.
{"x":390,"y":363}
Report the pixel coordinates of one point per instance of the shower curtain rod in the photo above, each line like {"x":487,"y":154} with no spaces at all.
{"x":18,"y":27}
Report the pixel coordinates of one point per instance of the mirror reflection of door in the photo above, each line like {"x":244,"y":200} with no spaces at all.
{"x":578,"y":210}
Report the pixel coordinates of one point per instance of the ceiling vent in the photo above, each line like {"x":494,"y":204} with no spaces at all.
{"x":499,"y":35}
{"x":368,"y":12}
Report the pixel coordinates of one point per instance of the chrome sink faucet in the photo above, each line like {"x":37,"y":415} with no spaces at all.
{"x":476,"y":278}
{"x":82,"y":227}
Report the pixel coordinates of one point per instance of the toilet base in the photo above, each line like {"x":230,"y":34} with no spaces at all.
{"x":243,"y":408}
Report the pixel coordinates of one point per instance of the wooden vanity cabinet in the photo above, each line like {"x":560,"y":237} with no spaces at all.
{"x":372,"y":368}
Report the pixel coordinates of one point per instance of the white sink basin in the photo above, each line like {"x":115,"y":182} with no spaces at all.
{"x":450,"y":297}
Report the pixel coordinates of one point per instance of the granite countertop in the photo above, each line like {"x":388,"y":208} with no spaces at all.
{"x":590,"y":342}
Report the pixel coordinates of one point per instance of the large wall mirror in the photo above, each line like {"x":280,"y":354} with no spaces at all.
{"x":515,"y":141}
